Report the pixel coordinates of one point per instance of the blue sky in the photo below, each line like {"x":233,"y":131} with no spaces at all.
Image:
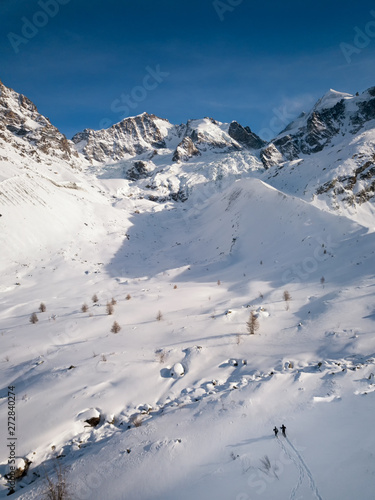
{"x":88,"y":64}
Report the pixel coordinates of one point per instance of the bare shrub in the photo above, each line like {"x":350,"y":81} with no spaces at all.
{"x":128,"y":297}
{"x":175,"y":287}
{"x":42,"y":307}
{"x":58,"y":488}
{"x":161,"y":355}
{"x":94,"y":298}
{"x":218,"y":282}
{"x":84,"y":308}
{"x":159,"y":316}
{"x":252,"y":324}
{"x":322,"y":281}
{"x":34,"y":318}
{"x":110,"y":308}
{"x":115,"y":327}
{"x":287,"y":297}
{"x":113,"y":301}
{"x":267,"y":468}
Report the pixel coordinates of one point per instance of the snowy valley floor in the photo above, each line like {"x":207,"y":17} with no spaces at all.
{"x":205,"y":433}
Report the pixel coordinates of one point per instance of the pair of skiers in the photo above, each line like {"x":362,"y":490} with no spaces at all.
{"x":283,"y":429}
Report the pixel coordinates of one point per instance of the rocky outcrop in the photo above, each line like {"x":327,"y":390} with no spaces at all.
{"x":185,"y":150}
{"x":245,"y":136}
{"x":130,"y":137}
{"x":139,"y":170}
{"x":334,"y":114}
{"x":22,"y":126}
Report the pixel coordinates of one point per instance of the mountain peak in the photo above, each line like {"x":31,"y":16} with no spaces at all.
{"x":330,"y":99}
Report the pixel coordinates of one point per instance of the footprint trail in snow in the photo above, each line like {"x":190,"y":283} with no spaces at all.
{"x":298,"y":460}
{"x":301,"y":473}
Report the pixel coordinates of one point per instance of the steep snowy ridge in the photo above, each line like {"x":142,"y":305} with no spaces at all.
{"x":29,"y":132}
{"x":149,"y":134}
{"x":128,"y":138}
{"x":335,"y":113}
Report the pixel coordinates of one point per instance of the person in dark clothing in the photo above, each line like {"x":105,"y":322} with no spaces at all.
{"x":275,"y":430}
{"x":283,"y":429}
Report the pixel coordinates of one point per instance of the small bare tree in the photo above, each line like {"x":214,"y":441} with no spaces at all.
{"x":42,"y":307}
{"x":253,"y":323}
{"x":113,"y":301}
{"x":34,"y":318}
{"x":159,"y":316}
{"x":115,"y":327}
{"x":161,"y":355}
{"x":84,"y":308}
{"x":128,"y":297}
{"x":110,"y":309}
{"x":57,"y":489}
{"x":287,"y":297}
{"x":95,"y":298}
{"x":322,"y":281}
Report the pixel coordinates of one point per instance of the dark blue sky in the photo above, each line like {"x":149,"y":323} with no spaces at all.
{"x":261,"y":63}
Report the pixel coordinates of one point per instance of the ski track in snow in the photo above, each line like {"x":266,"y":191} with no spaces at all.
{"x":301,"y":473}
{"x":302,"y":465}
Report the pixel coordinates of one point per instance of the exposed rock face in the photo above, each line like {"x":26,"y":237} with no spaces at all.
{"x":130,"y":137}
{"x":334,"y":114}
{"x":207,"y":134}
{"x":332,"y":147}
{"x":28,"y":131}
{"x":245,"y":136}
{"x":185,"y":150}
{"x":271,"y":156}
{"x":138,"y":171}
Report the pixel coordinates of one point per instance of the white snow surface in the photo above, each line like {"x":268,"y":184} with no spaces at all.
{"x":184,"y":278}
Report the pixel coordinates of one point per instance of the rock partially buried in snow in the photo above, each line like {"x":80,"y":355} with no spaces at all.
{"x":177,"y":371}
{"x":20,"y":468}
{"x":90,"y":417}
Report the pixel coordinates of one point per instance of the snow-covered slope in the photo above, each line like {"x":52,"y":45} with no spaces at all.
{"x":181,"y":401}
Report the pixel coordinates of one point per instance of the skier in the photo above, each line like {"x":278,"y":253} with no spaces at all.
{"x":275,"y":430}
{"x":283,"y":429}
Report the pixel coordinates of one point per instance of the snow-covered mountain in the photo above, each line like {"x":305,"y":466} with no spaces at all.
{"x":29,"y":132}
{"x":336,"y":113}
{"x":327,"y":155}
{"x":149,"y":134}
{"x":185,"y":234}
